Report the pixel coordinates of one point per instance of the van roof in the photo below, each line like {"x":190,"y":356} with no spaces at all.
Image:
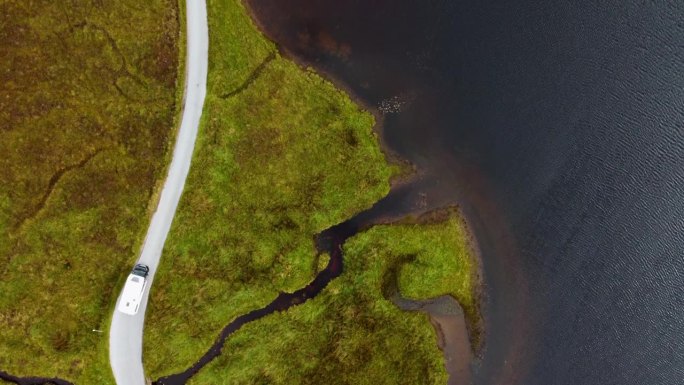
{"x":132,"y":294}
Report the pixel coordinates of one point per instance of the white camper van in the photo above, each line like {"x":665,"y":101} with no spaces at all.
{"x":133,"y":290}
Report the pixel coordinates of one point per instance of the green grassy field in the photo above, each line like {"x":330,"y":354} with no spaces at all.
{"x":351,"y":333}
{"x":281,"y":155}
{"x":87,"y":109}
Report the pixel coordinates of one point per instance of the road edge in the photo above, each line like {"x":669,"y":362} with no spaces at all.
{"x":192,"y":102}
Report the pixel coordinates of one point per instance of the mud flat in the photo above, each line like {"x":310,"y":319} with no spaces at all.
{"x":447,"y":317}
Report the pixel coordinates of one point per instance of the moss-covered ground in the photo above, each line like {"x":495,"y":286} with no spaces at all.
{"x":87,"y":103}
{"x":282,"y":155}
{"x":352,"y":333}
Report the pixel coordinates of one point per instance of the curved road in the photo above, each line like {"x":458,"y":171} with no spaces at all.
{"x":125,"y":334}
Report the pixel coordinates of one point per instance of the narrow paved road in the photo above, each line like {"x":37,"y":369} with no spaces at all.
{"x":125,"y":335}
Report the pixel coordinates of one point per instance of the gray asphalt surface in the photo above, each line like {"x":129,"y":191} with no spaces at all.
{"x":126,"y":332}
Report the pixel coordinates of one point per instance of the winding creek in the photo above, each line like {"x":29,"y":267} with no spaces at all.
{"x":557,"y":129}
{"x":445,"y":313}
{"x":32,"y":380}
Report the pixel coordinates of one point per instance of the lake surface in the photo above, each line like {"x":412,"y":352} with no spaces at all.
{"x":559,"y":128}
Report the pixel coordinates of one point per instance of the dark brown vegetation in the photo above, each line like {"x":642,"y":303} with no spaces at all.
{"x":87,"y":103}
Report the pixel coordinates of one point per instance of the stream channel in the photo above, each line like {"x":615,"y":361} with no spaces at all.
{"x":558,"y":129}
{"x":444,"y":312}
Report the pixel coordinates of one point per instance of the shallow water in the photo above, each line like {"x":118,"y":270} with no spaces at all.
{"x":559,"y":128}
{"x":448,"y":320}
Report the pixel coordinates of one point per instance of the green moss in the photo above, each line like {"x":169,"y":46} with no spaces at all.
{"x":281,"y":155}
{"x":351,"y":333}
{"x":86,"y":112}
{"x":440,"y":254}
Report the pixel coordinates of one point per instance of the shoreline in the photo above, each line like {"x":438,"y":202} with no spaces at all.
{"x":334,"y":237}
{"x":408,"y":169}
{"x":456,"y":332}
{"x":448,"y":319}
{"x":476,"y":327}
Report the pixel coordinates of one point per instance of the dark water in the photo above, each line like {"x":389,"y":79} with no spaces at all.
{"x":4,"y":376}
{"x":559,"y":128}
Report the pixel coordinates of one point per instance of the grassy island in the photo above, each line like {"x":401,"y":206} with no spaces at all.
{"x":87,"y":107}
{"x":282,"y":155}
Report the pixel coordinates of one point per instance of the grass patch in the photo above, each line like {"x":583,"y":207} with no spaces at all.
{"x":281,"y":155}
{"x":352,"y":333}
{"x":86,"y":116}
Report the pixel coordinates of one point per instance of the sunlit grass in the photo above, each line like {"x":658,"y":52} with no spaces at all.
{"x":281,"y":155}
{"x":352,"y":333}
